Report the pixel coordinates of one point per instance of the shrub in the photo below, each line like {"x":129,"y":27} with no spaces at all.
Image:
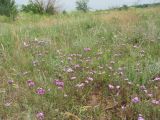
{"x":124,"y":7}
{"x":8,"y":8}
{"x":64,"y":12}
{"x":41,"y":7}
{"x":82,"y":5}
{"x":142,"y":6}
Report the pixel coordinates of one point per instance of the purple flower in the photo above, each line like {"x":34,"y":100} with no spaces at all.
{"x":89,"y":78}
{"x":87,"y":49}
{"x":10,"y":81}
{"x":157,"y":79}
{"x":156,"y":102}
{"x":40,"y":116}
{"x":150,"y":95}
{"x":59,"y":83}
{"x":76,"y":66}
{"x":30,"y":83}
{"x":135,"y":100}
{"x":40,"y":91}
{"x":111,"y":87}
{"x":140,"y":117}
{"x":143,"y":87}
{"x":69,"y":58}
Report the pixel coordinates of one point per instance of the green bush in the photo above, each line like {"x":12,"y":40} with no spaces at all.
{"x":124,"y":7}
{"x":82,"y":5}
{"x":142,"y":6}
{"x":8,"y":8}
{"x":41,"y":7}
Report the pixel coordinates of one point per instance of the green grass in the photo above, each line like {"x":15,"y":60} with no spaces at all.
{"x":38,"y":47}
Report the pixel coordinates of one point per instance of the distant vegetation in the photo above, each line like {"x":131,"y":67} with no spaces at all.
{"x":8,"y":8}
{"x":41,"y":7}
{"x":50,"y":7}
{"x":82,"y":5}
{"x":146,"y":5}
{"x":124,"y":7}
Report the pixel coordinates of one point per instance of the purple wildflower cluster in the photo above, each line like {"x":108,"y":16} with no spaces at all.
{"x":135,"y":100}
{"x":111,"y":87}
{"x":10,"y":82}
{"x":40,"y":116}
{"x":40,"y":91}
{"x":155,"y":102}
{"x":30,"y":83}
{"x":157,"y":79}
{"x":59,"y":83}
{"x":87,"y":49}
{"x":80,"y":72}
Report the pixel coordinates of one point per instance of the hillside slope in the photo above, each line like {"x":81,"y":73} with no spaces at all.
{"x":94,"y":66}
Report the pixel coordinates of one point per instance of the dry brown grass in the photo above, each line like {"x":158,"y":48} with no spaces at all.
{"x":121,"y":17}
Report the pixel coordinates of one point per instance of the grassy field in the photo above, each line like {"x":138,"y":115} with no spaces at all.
{"x":95,"y":66}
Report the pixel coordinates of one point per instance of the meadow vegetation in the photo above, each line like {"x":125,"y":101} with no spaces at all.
{"x":101,"y":65}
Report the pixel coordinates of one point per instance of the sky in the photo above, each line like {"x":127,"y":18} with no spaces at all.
{"x":96,"y":4}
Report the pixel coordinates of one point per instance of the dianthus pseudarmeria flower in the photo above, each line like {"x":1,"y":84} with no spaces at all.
{"x":87,"y":49}
{"x":30,"y":83}
{"x":40,"y":116}
{"x":10,"y":81}
{"x":59,"y":83}
{"x":140,"y":117}
{"x":135,"y":100}
{"x":40,"y":91}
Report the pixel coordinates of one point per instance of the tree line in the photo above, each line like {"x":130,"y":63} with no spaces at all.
{"x":10,"y":9}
